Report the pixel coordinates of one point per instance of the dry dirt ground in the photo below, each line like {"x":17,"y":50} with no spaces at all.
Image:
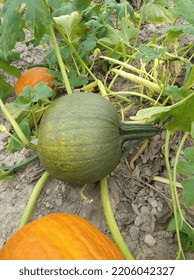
{"x":141,"y":204}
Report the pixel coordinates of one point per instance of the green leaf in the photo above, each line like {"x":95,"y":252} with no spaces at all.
{"x":77,"y":81}
{"x":11,"y":27}
{"x":189,"y":153}
{"x":186,"y":232}
{"x":88,"y":45}
{"x":24,"y":100}
{"x":41,"y":92}
{"x":12,"y":56}
{"x":32,"y":95}
{"x":184,"y":9}
{"x":55,"y":4}
{"x":187,"y":168}
{"x":126,"y":33}
{"x":181,"y":114}
{"x":10,"y":69}
{"x":5,"y":89}
{"x":176,"y":31}
{"x":190,"y":79}
{"x":188,"y":193}
{"x":172,"y":225}
{"x":149,"y":53}
{"x":37,"y":18}
{"x":192,"y":129}
{"x":14,"y":145}
{"x":157,"y":12}
{"x":120,"y":10}
{"x":176,"y":92}
{"x":75,"y":5}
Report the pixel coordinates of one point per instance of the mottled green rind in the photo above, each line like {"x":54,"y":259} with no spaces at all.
{"x":79,"y":138}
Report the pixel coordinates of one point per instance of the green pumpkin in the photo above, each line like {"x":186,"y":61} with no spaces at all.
{"x":81,"y":138}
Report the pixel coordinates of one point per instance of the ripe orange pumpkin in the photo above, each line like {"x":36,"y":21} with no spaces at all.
{"x":60,"y":236}
{"x":32,"y":77}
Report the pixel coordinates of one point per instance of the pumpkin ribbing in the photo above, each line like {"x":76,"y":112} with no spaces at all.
{"x":81,"y":138}
{"x":60,"y":236}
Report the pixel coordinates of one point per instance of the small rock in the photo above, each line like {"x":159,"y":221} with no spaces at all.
{"x":48,"y":191}
{"x":153,"y":211}
{"x":48,"y":205}
{"x":59,"y":201}
{"x":151,"y":193}
{"x":145,"y":209}
{"x":160,"y":206}
{"x":149,"y":240}
{"x":134,"y":232}
{"x":153,"y":202}
{"x":138,"y":221}
{"x":135,"y":209}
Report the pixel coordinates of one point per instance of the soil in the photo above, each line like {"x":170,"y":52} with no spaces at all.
{"x":141,"y":203}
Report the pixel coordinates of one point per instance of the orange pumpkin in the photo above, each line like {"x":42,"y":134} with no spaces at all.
{"x":60,"y":236}
{"x":32,"y":77}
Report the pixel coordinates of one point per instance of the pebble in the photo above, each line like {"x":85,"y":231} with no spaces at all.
{"x":59,"y":201}
{"x":138,"y":221}
{"x":48,"y":205}
{"x":153,"y":202}
{"x":134,"y":232}
{"x":48,"y":191}
{"x":153,"y":211}
{"x":145,"y":209}
{"x":160,"y":206}
{"x":149,"y":240}
{"x":135,"y":209}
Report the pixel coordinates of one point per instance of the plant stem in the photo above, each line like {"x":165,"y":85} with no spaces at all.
{"x":20,"y":165}
{"x":126,"y":65}
{"x":134,"y":94}
{"x":60,"y":61}
{"x":172,"y":187}
{"x":175,"y":171}
{"x":33,"y":199}
{"x":16,"y":127}
{"x":68,"y":42}
{"x":111,"y":221}
{"x":141,"y":81}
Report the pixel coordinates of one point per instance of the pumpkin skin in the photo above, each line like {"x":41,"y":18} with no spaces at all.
{"x":79,"y":138}
{"x":60,"y":236}
{"x":32,"y":77}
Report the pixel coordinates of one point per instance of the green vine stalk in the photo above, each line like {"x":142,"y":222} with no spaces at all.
{"x":112,"y":224}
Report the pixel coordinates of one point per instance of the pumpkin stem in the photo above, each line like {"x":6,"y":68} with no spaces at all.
{"x":112,"y":224}
{"x":129,"y":131}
